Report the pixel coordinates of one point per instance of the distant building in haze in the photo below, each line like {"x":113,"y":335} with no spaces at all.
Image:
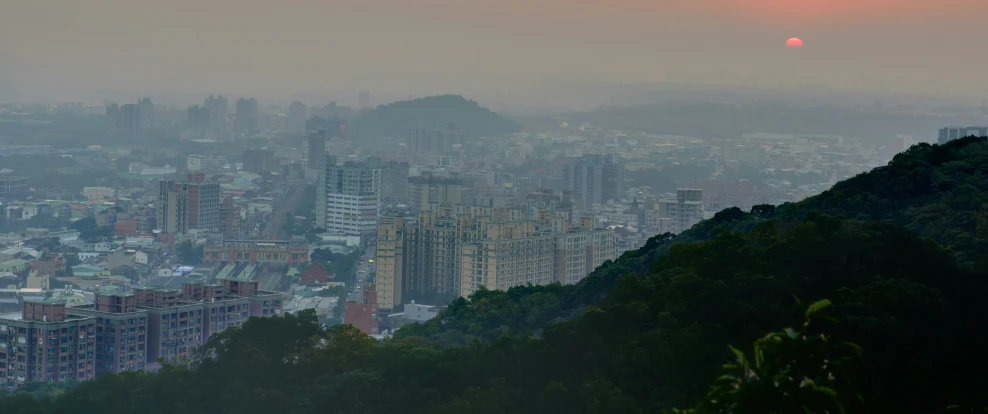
{"x":316,"y":148}
{"x":434,"y":141}
{"x":593,"y":179}
{"x":298,"y":113}
{"x":677,"y":215}
{"x":394,"y":183}
{"x":218,"y":109}
{"x":147,"y":112}
{"x":113,"y":115}
{"x":198,"y":117}
{"x":130,"y":119}
{"x":430,"y":188}
{"x":948,"y":134}
{"x":246,"y":117}
{"x":332,"y":127}
{"x":258,"y":161}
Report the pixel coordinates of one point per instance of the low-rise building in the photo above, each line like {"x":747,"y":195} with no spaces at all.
{"x":294,"y":252}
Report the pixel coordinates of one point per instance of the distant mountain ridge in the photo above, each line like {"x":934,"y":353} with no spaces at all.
{"x":394,"y":119}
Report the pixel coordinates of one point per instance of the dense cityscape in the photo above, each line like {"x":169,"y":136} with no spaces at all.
{"x":180,"y":222}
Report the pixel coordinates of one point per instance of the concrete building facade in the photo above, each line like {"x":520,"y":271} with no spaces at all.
{"x":429,"y":189}
{"x":457,"y":250}
{"x":194,"y":204}
{"x":292,"y":252}
{"x":348,"y":197}
{"x":679,"y":214}
{"x":46,"y":343}
{"x":593,"y":179}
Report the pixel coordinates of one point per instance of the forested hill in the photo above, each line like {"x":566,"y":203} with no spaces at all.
{"x":394,"y":119}
{"x":937,"y":191}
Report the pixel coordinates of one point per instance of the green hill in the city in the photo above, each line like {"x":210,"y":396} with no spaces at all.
{"x":394,"y":119}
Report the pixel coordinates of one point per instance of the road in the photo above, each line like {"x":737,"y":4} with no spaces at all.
{"x":364,"y":268}
{"x":294,"y":196}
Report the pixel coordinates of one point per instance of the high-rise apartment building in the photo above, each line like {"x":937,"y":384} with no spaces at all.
{"x":246,"y":116}
{"x":113,"y":115}
{"x":229,"y":219}
{"x":49,"y":341}
{"x":121,"y":330}
{"x":578,"y":252}
{"x":315,"y":154}
{"x":390,"y":262}
{"x":394,"y":183}
{"x":258,"y":161}
{"x":171,"y":215}
{"x":458,"y":249}
{"x":181,"y":320}
{"x":506,"y":254}
{"x":677,"y":215}
{"x":46,"y":343}
{"x":198,"y":117}
{"x":194,"y":204}
{"x":130,"y":119}
{"x":434,"y":141}
{"x":347,"y":197}
{"x":364,"y":100}
{"x":430,"y":188}
{"x":218,"y":108}
{"x":593,"y":179}
{"x":948,"y":134}
{"x":147,"y":112}
{"x":297,"y":114}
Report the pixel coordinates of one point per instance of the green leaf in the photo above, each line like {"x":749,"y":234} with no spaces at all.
{"x":816,"y":307}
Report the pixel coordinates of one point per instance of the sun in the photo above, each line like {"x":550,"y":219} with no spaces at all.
{"x":794,"y":43}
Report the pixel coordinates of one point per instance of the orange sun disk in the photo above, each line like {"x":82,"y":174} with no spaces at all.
{"x":794,"y":43}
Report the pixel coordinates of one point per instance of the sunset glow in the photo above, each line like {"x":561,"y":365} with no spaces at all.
{"x":794,"y":43}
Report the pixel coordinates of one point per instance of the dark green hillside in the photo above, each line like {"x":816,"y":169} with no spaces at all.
{"x":936,"y":191}
{"x":394,"y":119}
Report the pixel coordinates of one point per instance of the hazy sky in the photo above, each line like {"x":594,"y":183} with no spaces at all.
{"x":279,"y":48}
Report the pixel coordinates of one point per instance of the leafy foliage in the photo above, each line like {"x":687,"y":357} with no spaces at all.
{"x":788,"y":371}
{"x":188,"y":253}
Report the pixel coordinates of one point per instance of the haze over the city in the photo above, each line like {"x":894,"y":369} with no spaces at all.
{"x":64,"y":49}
